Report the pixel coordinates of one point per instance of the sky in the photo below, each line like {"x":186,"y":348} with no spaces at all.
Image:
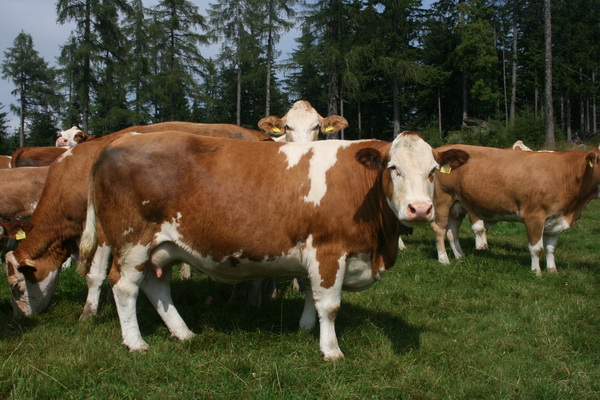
{"x":38,"y":19}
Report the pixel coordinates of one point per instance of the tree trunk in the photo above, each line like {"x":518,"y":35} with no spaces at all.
{"x":439,"y":101}
{"x":550,"y":140}
{"x":269,"y":60}
{"x":465,"y":98}
{"x":513,"y":93}
{"x":396,"y":94}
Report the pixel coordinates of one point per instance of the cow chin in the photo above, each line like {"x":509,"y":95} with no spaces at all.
{"x":29,"y":297}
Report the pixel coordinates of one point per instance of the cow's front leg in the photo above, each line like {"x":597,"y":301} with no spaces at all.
{"x":326,"y":283}
{"x":452,"y":232}
{"x":158,"y":291}
{"x":440,"y":245}
{"x":550,"y":242}
{"x":95,"y":277}
{"x":126,"y":291}
{"x":535,"y":230}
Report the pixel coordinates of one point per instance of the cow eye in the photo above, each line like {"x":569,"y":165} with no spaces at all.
{"x":288,"y":128}
{"x":394,"y":170}
{"x":432,"y":172}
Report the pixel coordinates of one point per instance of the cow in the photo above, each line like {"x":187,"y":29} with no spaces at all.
{"x":72,"y":137}
{"x":36,"y":156}
{"x":329,"y":210}
{"x":302,"y":123}
{"x":547,"y":191}
{"x":5,"y":161}
{"x":21,"y":191}
{"x":59,"y":217}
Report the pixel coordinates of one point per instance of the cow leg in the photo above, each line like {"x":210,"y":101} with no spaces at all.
{"x":480,"y":231}
{"x":452,"y":232}
{"x":158,"y":291}
{"x":535,"y":229}
{"x":95,"y":278}
{"x":327,"y":303}
{"x":550,"y":245}
{"x":185,"y":272}
{"x":126,"y":291}
{"x":443,"y":203}
{"x":401,"y":245}
{"x":440,"y":238}
{"x":308,"y":320}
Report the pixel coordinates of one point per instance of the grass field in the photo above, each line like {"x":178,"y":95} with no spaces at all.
{"x":484,"y":327}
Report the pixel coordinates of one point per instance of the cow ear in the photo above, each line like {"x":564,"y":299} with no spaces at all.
{"x":272,"y":125}
{"x":452,"y":158}
{"x":333,"y":123}
{"x":591,"y":159}
{"x":370,"y":158}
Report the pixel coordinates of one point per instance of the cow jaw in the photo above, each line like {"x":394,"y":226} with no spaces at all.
{"x":410,"y":190}
{"x":29,"y":297}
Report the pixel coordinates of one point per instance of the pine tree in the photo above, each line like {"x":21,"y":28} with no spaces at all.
{"x":34,"y":81}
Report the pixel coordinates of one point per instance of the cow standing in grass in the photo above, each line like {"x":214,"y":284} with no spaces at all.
{"x":329,"y":210}
{"x":59,"y":217}
{"x":547,"y":191}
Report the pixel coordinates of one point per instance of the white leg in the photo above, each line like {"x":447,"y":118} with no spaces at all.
{"x":480,"y":230}
{"x":401,"y":245}
{"x":452,"y":231}
{"x":308,"y":320}
{"x":158,"y":291}
{"x":536,"y":251}
{"x":440,"y":234}
{"x":550,"y":245}
{"x":327,"y":303}
{"x":95,"y":278}
{"x":185,"y":272}
{"x":126,"y":291}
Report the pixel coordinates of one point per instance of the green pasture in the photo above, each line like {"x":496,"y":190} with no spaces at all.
{"x":484,"y":327}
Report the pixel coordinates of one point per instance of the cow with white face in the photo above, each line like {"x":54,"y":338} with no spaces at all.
{"x":301,"y":124}
{"x":72,"y":137}
{"x":328,"y":210}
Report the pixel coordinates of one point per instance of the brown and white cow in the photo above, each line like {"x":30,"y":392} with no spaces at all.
{"x":302,"y":123}
{"x":329,"y":210}
{"x":5,"y":161}
{"x":72,"y":137}
{"x":36,"y":156}
{"x":59,"y":217}
{"x":544,"y":190}
{"x":21,"y":191}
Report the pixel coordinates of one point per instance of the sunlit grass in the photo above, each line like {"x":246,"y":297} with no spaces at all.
{"x":484,"y":327}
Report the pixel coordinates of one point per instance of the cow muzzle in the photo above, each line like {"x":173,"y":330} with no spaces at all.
{"x":420,"y":212}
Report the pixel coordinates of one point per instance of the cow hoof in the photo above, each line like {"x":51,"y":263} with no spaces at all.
{"x":553,"y":270}
{"x":333,"y":355}
{"x":140,"y":347}
{"x":184,"y":335}
{"x":87,"y":313}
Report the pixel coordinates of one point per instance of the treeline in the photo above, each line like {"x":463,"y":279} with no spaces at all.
{"x":471,"y":70}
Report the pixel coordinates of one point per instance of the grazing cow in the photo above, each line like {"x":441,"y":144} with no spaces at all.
{"x":329,"y":210}
{"x":36,"y":156}
{"x":58,"y":220}
{"x":302,"y":123}
{"x":72,"y":137}
{"x":5,"y":162}
{"x":21,"y":191}
{"x":546,"y":191}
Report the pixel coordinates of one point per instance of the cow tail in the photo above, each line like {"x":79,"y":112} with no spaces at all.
{"x":89,"y":239}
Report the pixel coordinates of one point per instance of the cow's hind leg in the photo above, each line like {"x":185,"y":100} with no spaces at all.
{"x":126,"y":291}
{"x":157,"y":286}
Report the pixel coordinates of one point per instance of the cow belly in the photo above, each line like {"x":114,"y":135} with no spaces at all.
{"x":233,"y":268}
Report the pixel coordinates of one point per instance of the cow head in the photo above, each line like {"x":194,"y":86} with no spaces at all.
{"x":302,"y":124}
{"x":31,"y":292}
{"x":408,"y":172}
{"x":72,"y":137}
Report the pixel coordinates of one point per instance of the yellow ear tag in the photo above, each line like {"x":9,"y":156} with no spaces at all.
{"x":20,"y":235}
{"x":29,"y":263}
{"x":329,"y":128}
{"x":276,"y":129}
{"x":445,"y":169}
{"x":590,"y":164}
